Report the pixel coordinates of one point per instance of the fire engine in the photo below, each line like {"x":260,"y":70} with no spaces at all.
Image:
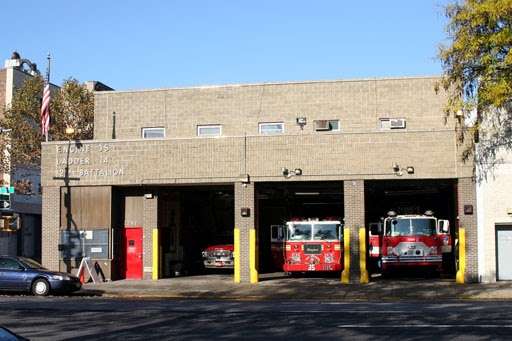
{"x":307,"y":245}
{"x":409,"y":241}
{"x":218,"y":256}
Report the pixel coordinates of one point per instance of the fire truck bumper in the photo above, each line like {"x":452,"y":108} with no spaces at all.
{"x":213,"y":263}
{"x":426,"y":261}
{"x":312,"y":267}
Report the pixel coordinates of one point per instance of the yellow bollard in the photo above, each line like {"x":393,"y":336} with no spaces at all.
{"x":345,"y":275}
{"x":459,"y":278}
{"x":362,"y":256}
{"x":154,"y":274}
{"x":236,"y":256}
{"x":252,"y":256}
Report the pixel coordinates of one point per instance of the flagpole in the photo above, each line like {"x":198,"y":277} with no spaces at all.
{"x":48,"y":82}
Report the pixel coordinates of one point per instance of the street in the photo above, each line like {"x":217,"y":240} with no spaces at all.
{"x":91,"y":318}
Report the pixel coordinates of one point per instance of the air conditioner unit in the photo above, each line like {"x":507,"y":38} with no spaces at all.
{"x":397,"y":123}
{"x":322,"y":125}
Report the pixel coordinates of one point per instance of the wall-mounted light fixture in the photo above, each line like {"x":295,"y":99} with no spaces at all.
{"x":289,"y":173}
{"x":400,"y":171}
{"x":301,"y":121}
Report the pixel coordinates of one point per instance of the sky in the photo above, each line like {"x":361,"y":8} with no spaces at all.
{"x":158,"y":44}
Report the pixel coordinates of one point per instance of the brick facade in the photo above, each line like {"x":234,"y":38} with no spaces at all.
{"x":150,"y":222}
{"x":466,"y":193}
{"x":244,"y":198}
{"x":50,"y":228}
{"x":354,"y":219}
{"x":359,"y":151}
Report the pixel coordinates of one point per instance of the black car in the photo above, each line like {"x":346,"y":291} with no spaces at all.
{"x":25,"y":274}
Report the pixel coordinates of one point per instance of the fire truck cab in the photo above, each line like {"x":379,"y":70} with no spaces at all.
{"x":307,"y":245}
{"x":401,"y":241}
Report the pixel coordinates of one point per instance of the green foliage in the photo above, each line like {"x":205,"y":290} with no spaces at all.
{"x":71,"y":106}
{"x":478,"y":72}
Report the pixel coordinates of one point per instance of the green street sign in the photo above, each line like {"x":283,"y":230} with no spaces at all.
{"x":6,"y":190}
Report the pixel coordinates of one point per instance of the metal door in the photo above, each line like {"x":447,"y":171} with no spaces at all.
{"x":503,"y":252}
{"x":133,"y":253}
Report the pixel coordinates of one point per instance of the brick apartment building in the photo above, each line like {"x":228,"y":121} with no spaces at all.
{"x":186,"y":161}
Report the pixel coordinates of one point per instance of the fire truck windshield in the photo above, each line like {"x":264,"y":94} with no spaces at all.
{"x":314,"y":232}
{"x":410,"y":227}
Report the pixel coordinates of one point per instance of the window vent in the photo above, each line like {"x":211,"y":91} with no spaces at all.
{"x":322,"y":125}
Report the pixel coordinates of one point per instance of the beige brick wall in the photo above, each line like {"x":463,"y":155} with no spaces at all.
{"x":466,"y":195}
{"x":244,"y":197}
{"x":358,"y":104}
{"x":354,"y":219}
{"x":150,"y":222}
{"x":50,"y":228}
{"x":360,"y":151}
{"x":196,"y":160}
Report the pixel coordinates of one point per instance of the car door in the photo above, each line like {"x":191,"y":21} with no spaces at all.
{"x":13,"y":275}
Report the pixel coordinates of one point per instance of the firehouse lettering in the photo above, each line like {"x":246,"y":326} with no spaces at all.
{"x":74,"y":161}
{"x":86,"y":155}
{"x":99,"y":172}
{"x":85,"y":148}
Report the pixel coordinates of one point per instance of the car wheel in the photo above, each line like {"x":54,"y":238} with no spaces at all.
{"x":41,"y":287}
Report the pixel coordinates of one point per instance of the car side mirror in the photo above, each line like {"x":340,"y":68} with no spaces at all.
{"x":21,"y":268}
{"x":444,"y":226}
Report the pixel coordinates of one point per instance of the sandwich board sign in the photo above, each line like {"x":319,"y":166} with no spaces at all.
{"x":86,"y":265}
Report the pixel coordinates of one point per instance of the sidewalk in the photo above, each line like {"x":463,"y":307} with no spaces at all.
{"x":277,"y":288}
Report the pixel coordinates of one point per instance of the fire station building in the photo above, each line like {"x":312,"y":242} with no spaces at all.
{"x":172,"y":171}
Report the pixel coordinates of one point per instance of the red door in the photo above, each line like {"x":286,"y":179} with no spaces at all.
{"x":133,"y":247}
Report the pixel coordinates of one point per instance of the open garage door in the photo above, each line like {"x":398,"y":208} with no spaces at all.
{"x":280,"y":202}
{"x":414,"y":198}
{"x":196,"y":224}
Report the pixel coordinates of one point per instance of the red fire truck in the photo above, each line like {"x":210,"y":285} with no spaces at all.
{"x":218,"y":256}
{"x":307,"y":245}
{"x":409,"y":241}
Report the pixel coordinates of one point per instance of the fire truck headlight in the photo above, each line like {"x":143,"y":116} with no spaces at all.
{"x":433,"y":250}
{"x":328,"y":258}
{"x":288,"y":247}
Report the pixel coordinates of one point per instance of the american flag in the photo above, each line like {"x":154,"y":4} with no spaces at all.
{"x":45,"y":110}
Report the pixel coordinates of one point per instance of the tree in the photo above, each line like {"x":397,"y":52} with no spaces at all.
{"x":72,"y":105}
{"x":478,"y":73}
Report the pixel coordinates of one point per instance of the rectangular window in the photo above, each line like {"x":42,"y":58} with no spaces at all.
{"x":209,"y":130}
{"x":271,"y":128}
{"x":327,"y":125}
{"x":153,"y":133}
{"x":392,"y":123}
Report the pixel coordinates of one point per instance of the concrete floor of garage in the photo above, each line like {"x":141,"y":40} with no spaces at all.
{"x":278,"y":286}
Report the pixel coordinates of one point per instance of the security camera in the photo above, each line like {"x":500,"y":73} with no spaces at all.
{"x":285,"y":171}
{"x":396,"y":168}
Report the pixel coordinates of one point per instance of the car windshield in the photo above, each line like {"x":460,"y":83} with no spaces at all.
{"x":30,"y":263}
{"x":326,"y":232}
{"x":299,"y":232}
{"x":410,"y":227}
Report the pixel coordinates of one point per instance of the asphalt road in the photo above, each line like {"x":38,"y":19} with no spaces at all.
{"x":85,"y":318}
